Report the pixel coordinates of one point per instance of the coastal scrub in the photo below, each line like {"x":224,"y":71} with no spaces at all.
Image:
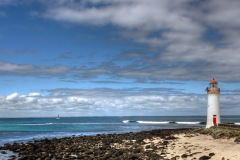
{"x":219,"y":132}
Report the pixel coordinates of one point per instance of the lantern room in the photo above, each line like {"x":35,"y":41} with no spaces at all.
{"x":213,"y":83}
{"x":213,"y":87}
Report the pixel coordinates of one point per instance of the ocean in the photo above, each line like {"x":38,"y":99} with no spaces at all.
{"x":21,"y":130}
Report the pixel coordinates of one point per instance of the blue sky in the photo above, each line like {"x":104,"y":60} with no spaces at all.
{"x":107,"y":57}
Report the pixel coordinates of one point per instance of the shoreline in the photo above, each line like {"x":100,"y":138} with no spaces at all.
{"x":155,"y":144}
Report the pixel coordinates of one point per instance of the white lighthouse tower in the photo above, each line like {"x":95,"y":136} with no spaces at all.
{"x":213,"y":113}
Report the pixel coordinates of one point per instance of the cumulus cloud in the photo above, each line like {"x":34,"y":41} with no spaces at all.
{"x":174,"y":37}
{"x":14,"y":97}
{"x":33,"y":94}
{"x":73,"y":102}
{"x":174,"y":30}
{"x":222,"y":13}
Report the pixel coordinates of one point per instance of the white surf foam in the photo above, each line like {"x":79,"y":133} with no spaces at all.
{"x":37,"y":124}
{"x":237,"y":123}
{"x":154,"y":122}
{"x":126,"y":121}
{"x":188,"y":122}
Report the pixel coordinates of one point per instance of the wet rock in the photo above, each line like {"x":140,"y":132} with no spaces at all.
{"x":4,"y":152}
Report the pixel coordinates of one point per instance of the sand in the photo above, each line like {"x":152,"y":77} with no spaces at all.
{"x":194,"y":146}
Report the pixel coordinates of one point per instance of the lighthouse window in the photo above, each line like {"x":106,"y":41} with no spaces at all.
{"x":213,"y":85}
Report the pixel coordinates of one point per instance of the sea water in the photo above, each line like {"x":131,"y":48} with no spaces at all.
{"x":26,"y":129}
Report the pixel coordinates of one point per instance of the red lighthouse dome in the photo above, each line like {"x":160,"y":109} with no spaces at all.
{"x":213,"y":81}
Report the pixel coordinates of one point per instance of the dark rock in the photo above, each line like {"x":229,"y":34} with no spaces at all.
{"x":94,"y":147}
{"x":4,"y":152}
{"x":211,"y":154}
{"x":184,"y":156}
{"x":147,"y":146}
{"x":170,"y":138}
{"x":138,"y":150}
{"x":155,"y":156}
{"x":134,"y":156}
{"x":204,"y":158}
{"x":107,"y":156}
{"x":154,"y":147}
{"x":165,"y":142}
{"x":128,"y":143}
{"x":89,"y":152}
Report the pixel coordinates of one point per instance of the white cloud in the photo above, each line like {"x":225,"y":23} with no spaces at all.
{"x":14,"y":97}
{"x":87,"y":103}
{"x":223,"y":14}
{"x":30,"y":100}
{"x":180,"y":28}
{"x":174,"y":30}
{"x":34,"y":94}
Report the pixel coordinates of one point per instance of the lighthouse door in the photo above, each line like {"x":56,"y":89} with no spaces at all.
{"x":214,"y":119}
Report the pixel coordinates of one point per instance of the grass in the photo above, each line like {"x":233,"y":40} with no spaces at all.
{"x":219,"y":132}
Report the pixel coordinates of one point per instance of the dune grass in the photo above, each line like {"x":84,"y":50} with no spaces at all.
{"x":219,"y":132}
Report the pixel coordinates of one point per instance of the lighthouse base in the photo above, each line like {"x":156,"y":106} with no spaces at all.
{"x":211,"y":124}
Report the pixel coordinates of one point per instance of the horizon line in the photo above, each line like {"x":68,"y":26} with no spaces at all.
{"x":115,"y":116}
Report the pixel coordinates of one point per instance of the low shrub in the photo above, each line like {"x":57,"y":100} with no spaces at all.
{"x":237,"y":139}
{"x":218,"y":132}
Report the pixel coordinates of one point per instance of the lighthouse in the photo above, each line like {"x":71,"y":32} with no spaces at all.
{"x":213,"y":113}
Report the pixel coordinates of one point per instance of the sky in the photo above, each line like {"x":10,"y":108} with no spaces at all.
{"x":118,"y":57}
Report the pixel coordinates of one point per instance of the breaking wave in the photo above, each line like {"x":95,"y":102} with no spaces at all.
{"x":37,"y":124}
{"x":163,"y":122}
{"x":129,"y":121}
{"x":154,"y":122}
{"x":188,"y":122}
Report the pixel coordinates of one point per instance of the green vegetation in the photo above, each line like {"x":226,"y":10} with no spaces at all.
{"x":219,"y":132}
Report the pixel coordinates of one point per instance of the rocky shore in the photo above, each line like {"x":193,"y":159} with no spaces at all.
{"x":152,"y":145}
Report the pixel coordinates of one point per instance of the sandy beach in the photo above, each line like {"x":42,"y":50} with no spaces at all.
{"x":196,"y":146}
{"x":175,"y":144}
